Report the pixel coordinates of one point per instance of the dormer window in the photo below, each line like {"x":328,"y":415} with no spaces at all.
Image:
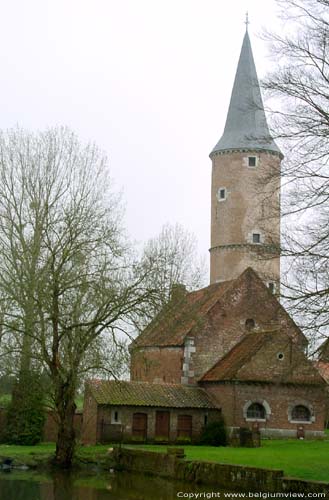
{"x":252,"y":161}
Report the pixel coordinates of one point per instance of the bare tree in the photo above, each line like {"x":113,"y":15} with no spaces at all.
{"x":67,"y":277}
{"x":300,"y":81}
{"x":170,"y":259}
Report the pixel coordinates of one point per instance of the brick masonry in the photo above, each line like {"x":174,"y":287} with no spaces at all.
{"x":216,"y":333}
{"x":233,"y":397}
{"x":98,"y":423}
{"x":252,"y":203}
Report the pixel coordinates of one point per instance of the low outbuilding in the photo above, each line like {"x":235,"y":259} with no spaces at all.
{"x":144,"y":412}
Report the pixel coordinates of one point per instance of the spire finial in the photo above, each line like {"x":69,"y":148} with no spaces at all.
{"x":247,"y":21}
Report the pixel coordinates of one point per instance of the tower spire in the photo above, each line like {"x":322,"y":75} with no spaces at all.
{"x":246,"y":126}
{"x":245,"y":207}
{"x":247,"y":20}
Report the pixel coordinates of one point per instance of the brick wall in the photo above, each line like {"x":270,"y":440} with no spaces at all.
{"x":216,"y":333}
{"x":157,"y":365}
{"x":97,"y":419}
{"x":251,"y":204}
{"x":50,"y":428}
{"x":232,"y":398}
{"x":89,"y":423}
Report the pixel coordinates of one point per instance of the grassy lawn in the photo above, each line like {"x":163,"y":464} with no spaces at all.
{"x":304,"y":459}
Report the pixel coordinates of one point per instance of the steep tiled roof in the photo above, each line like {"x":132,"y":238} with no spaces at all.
{"x":180,"y":316}
{"x":323,"y":351}
{"x":118,"y":392}
{"x":323,"y":367}
{"x":229,"y":365}
{"x":236,"y":364}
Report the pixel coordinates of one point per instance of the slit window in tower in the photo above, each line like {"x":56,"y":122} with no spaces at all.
{"x":221,"y":194}
{"x":252,"y":161}
{"x":256,"y":237}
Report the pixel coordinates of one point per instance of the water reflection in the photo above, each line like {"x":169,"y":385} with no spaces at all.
{"x":63,"y":486}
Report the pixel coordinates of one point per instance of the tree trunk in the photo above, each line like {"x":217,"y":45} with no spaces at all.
{"x":65,"y":444}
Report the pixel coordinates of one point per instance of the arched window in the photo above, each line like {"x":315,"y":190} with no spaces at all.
{"x":256,"y":411}
{"x":301,"y":413}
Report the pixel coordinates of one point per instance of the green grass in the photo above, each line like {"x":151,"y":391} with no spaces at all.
{"x":5,"y":400}
{"x":18,"y":451}
{"x":303,"y":459}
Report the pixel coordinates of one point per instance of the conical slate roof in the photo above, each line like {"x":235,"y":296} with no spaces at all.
{"x":246,"y":126}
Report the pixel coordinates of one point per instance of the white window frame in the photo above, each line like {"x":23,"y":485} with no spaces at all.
{"x":113,"y":420}
{"x":261,"y":402}
{"x":301,"y":422}
{"x":260,"y":238}
{"x":218,"y":194}
{"x":256,"y":161}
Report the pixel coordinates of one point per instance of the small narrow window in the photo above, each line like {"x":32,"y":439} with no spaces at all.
{"x":221,"y":194}
{"x":205,"y":419}
{"x":271,"y":287}
{"x":115,"y":417}
{"x":252,"y":161}
{"x":256,"y":237}
{"x":250,"y":324}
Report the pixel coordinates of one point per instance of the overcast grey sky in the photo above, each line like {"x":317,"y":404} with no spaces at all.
{"x":148,"y":80}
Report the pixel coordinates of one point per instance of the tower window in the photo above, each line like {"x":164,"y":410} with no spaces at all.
{"x":256,"y":237}
{"x":252,"y":161}
{"x":250,"y":324}
{"x":221,"y":194}
{"x":271,"y":286}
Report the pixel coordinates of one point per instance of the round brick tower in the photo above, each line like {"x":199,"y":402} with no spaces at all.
{"x":245,"y":193}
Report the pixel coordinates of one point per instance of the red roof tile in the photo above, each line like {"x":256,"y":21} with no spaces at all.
{"x":228,"y":366}
{"x":119,"y":392}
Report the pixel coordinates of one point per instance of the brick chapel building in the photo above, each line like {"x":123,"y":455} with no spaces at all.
{"x":230,"y":347}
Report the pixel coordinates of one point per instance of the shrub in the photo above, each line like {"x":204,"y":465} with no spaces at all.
{"x":25,"y":416}
{"x":214,"y":434}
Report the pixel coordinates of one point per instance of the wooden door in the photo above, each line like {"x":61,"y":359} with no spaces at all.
{"x":162,"y":420}
{"x":139,"y":427}
{"x":184,"y":426}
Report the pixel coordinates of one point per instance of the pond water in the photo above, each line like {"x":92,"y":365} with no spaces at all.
{"x":31,"y":485}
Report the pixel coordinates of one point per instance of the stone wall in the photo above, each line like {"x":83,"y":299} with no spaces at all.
{"x":226,"y":476}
